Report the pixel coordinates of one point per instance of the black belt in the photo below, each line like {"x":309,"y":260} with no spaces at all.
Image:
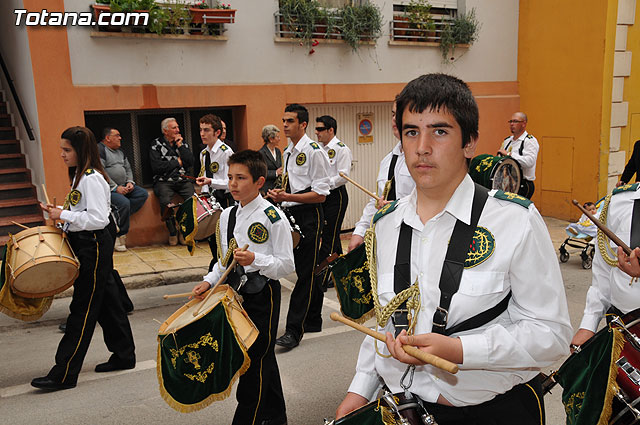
{"x":301,"y":207}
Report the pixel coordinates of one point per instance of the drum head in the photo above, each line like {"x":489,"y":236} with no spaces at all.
{"x":184,"y":315}
{"x":506,"y":175}
{"x":60,"y":275}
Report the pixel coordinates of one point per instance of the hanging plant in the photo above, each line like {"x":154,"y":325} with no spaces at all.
{"x":463,"y":29}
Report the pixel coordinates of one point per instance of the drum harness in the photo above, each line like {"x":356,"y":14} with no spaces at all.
{"x":389,"y":192}
{"x":403,"y":308}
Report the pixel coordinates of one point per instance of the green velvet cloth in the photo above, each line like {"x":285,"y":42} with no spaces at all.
{"x":352,"y":282}
{"x":199,"y":363}
{"x":588,"y":379}
{"x":371,"y":414}
{"x":188,"y":222}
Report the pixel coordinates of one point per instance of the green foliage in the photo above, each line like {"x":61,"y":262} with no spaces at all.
{"x":130,"y":5}
{"x":301,"y":16}
{"x":462,"y":30}
{"x":103,"y":1}
{"x":418,"y":13}
{"x":360,"y":23}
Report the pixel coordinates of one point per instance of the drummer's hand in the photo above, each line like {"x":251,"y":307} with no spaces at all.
{"x":278,"y":195}
{"x":629,"y":263}
{"x":354,"y":242}
{"x":381,"y":203}
{"x":581,"y":337}
{"x":442,"y":346}
{"x":200,"y":289}
{"x":201,"y":181}
{"x":350,"y":403}
{"x":503,"y":152}
{"x":244,"y":258}
{"x":54,"y":213}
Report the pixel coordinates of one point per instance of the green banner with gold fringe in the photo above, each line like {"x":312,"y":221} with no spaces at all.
{"x":26,"y":309}
{"x":187,"y":217}
{"x":199,"y":363}
{"x":350,"y":273}
{"x":588,"y":379}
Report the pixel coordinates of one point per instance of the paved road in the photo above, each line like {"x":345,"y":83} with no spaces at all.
{"x":315,"y":375}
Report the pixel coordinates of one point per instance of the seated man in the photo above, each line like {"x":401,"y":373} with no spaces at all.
{"x":170,"y":157}
{"x":126,"y":197}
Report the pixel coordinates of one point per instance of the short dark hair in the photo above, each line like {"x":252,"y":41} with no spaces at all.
{"x":106,"y":131}
{"x":253,"y":160}
{"x":301,"y":112}
{"x":587,"y":204}
{"x":213,"y":120}
{"x":329,"y":122}
{"x":436,"y":91}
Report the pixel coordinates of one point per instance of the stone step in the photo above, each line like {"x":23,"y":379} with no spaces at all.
{"x":7,"y":133}
{"x":7,"y":226}
{"x":17,"y":190}
{"x":18,"y":207}
{"x":5,"y":120}
{"x":9,"y":146}
{"x":15,"y":175}
{"x":12,"y":160}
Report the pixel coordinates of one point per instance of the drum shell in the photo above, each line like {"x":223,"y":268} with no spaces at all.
{"x":208,"y":213}
{"x":485,"y":169}
{"x":410,"y":411}
{"x":38,"y":252}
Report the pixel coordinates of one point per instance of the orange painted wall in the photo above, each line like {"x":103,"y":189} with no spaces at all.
{"x":561,"y":68}
{"x":61,"y":104}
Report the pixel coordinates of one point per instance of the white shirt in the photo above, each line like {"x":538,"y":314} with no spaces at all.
{"x":273,"y":257}
{"x":404,"y":186}
{"x":87,"y":206}
{"x":529,"y":153}
{"x":307,"y":166}
{"x":610,"y":285}
{"x":219,"y":155}
{"x":340,"y":157}
{"x":532,"y":333}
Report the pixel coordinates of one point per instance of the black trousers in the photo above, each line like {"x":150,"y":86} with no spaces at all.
{"x":259,"y":392}
{"x":165,"y":191}
{"x":305,"y":305}
{"x":527,"y":188}
{"x":522,"y":405}
{"x":96,"y":298}
{"x":334,"y":209}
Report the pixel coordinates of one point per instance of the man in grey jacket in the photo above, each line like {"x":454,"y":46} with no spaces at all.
{"x":126,"y":197}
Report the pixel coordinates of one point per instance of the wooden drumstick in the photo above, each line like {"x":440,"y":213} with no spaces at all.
{"x":616,"y":240}
{"x":182,"y":295}
{"x":46,"y":197}
{"x":222,"y":279}
{"x":431,"y":359}
{"x":18,"y":224}
{"x":188,"y":177}
{"x":362,"y":188}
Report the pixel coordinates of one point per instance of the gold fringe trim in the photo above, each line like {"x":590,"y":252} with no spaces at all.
{"x":28,"y":317}
{"x":189,"y":408}
{"x":604,"y":246}
{"x":612,"y":387}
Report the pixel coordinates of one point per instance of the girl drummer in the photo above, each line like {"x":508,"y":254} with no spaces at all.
{"x":85,"y":218}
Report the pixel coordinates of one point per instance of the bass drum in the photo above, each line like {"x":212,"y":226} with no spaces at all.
{"x":496,"y":172}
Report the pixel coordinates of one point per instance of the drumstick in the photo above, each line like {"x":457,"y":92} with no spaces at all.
{"x":616,"y":240}
{"x":431,"y":359}
{"x":46,"y":197}
{"x":222,"y":279}
{"x":18,"y":224}
{"x":188,"y":177}
{"x":182,"y":295}
{"x":344,"y":176}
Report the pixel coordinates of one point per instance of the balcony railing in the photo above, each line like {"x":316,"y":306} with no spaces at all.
{"x":400,"y":29}
{"x":304,"y":30}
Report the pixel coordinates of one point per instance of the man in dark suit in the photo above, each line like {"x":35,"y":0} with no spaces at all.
{"x":632,"y":167}
{"x":272,"y":155}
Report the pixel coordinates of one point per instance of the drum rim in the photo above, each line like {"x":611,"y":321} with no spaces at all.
{"x":13,"y":277}
{"x":31,"y":231}
{"x":506,"y":160}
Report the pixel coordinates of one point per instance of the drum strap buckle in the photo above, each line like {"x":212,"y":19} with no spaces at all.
{"x":441,"y":317}
{"x":400,"y":320}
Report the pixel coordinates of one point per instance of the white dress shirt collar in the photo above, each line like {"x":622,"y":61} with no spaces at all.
{"x":251,"y":206}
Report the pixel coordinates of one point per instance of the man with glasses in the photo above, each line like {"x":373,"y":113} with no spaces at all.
{"x":522,"y":147}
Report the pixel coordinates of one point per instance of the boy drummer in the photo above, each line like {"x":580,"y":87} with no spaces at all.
{"x":256,"y":222}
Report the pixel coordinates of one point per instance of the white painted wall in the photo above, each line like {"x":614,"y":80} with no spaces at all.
{"x":14,"y":46}
{"x":250,"y":56}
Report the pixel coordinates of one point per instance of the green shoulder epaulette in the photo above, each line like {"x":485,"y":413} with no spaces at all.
{"x":224,"y":147}
{"x":272,"y":214}
{"x":626,"y":188}
{"x":314,"y":145}
{"x":529,"y":136}
{"x":513,"y":197}
{"x":342,"y":145}
{"x":385,"y":210}
{"x":89,"y":171}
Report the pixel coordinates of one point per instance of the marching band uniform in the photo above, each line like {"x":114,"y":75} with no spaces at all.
{"x":610,"y":287}
{"x":501,"y":356}
{"x":95,"y":296}
{"x":335,"y":205}
{"x":524,"y":149}
{"x":400,"y":182}
{"x":306,"y":168}
{"x":268,"y":234}
{"x":213,"y":164}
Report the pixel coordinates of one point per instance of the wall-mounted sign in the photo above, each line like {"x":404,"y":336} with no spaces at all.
{"x":365,"y":127}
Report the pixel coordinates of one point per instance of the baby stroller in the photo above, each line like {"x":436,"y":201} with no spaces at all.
{"x":581,"y":241}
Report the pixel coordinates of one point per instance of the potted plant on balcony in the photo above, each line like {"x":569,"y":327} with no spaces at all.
{"x":221,"y":13}
{"x":463,"y":29}
{"x":299,"y":19}
{"x":360,"y":23}
{"x":418,"y":14}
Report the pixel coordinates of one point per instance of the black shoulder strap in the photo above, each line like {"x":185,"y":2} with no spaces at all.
{"x":521,"y":147}
{"x":454,"y":261}
{"x":635,"y":225}
{"x":207,"y":167}
{"x":231,"y":225}
{"x":391,"y":196}
{"x":402,"y":275}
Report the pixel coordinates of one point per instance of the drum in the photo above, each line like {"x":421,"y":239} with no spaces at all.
{"x":350,"y":273}
{"x":625,"y":408}
{"x":496,"y":172}
{"x":296,"y":233}
{"x":200,"y":357}
{"x":205,"y":211}
{"x":41,"y":262}
{"x":389,"y":409}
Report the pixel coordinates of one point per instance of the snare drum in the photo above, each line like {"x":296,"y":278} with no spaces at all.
{"x":296,"y":233}
{"x":496,"y":172}
{"x":389,"y":409}
{"x":41,"y":262}
{"x":206,"y":214}
{"x":200,"y":357}
{"x":350,"y":273}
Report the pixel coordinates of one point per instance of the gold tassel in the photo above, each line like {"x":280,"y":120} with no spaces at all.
{"x":612,"y":387}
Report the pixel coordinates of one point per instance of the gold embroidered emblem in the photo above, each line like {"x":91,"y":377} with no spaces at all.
{"x":193,"y":357}
{"x":258,"y":233}
{"x":214,"y":167}
{"x":484,"y":165}
{"x":72,"y":198}
{"x":482,"y":246}
{"x":301,"y":158}
{"x":331,"y":153}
